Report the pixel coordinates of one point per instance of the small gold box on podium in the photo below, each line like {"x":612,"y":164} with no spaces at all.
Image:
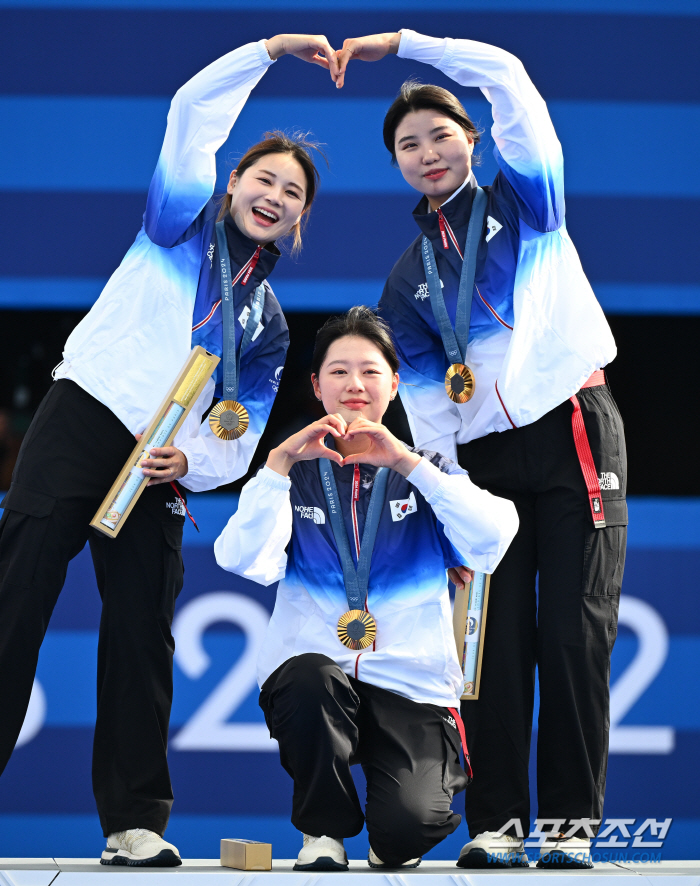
{"x":246,"y":855}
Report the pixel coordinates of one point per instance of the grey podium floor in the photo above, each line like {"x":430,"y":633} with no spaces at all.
{"x":196,"y":872}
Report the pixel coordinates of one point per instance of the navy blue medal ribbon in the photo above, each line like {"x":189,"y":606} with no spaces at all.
{"x":229,"y":418}
{"x":459,"y":380}
{"x":356,"y":628}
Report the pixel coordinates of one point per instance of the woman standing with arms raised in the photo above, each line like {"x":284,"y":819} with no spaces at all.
{"x":502,"y":345}
{"x":165,"y":297}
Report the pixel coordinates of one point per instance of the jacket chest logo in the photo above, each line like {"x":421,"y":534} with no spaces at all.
{"x":423,"y":292}
{"x":311,"y":513}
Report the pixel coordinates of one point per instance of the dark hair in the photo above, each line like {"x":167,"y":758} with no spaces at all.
{"x":359,"y":321}
{"x":297,"y":145}
{"x":415,"y":96}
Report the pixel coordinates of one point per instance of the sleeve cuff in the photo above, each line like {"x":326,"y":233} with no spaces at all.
{"x":420,"y":48}
{"x":271,"y":478}
{"x":265,"y":59}
{"x":426,"y":478}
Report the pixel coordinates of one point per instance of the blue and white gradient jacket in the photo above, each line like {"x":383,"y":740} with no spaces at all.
{"x":431,"y":520}
{"x":163,"y":297}
{"x":537,"y":331}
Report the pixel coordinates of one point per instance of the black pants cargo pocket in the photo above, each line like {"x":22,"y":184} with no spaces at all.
{"x":604,"y":552}
{"x":23,"y":531}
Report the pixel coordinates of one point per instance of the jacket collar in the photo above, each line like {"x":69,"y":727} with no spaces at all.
{"x":242,"y":248}
{"x":457,"y":212}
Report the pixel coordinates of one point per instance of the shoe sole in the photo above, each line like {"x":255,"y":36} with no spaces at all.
{"x":479,"y":859}
{"x":398,"y":867}
{"x":560,"y":860}
{"x":324,"y":863}
{"x":164,"y":859}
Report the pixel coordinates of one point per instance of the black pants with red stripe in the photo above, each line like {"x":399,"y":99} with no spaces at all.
{"x":553,"y":608}
{"x":326,"y":721}
{"x":71,"y":455}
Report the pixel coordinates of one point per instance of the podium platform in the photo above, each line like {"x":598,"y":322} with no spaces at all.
{"x":199,"y":872}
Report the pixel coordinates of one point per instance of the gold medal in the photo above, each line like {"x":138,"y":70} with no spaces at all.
{"x":229,"y":420}
{"x":357,"y":629}
{"x":459,"y":383}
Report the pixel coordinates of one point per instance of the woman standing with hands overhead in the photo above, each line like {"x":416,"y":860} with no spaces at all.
{"x":503,"y":344}
{"x":359,"y":663}
{"x":165,"y":297}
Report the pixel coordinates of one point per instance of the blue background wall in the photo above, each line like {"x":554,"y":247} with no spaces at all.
{"x":84,"y":91}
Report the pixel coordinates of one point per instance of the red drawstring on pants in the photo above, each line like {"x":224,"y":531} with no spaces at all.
{"x":463,"y":739}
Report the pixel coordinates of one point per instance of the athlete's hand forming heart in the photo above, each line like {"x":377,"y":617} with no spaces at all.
{"x":365,"y":49}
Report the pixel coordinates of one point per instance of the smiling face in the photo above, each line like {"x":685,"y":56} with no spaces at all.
{"x":268,"y":198}
{"x":434,"y":154}
{"x":355,"y":380}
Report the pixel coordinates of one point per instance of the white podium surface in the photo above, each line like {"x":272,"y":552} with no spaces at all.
{"x":198,"y":872}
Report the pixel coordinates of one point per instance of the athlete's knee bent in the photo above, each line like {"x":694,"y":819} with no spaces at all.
{"x":409,"y":829}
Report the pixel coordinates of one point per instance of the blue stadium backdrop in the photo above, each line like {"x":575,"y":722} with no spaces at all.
{"x":84,"y":92}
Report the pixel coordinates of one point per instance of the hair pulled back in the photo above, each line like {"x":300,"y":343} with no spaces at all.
{"x":415,"y":96}
{"x":297,"y":145}
{"x":359,"y":321}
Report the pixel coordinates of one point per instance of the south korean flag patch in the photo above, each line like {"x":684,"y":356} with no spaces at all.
{"x":402,"y":507}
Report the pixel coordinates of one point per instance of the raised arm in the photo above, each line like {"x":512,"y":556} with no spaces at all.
{"x":527,"y":149}
{"x":201,"y":116}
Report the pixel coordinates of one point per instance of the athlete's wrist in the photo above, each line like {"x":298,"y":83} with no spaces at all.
{"x":280,"y":461}
{"x":275,"y":47}
{"x":407,"y":463}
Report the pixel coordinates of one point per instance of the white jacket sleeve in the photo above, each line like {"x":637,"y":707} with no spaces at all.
{"x":201,"y":116}
{"x":479,"y":525}
{"x":253,"y":543}
{"x":527,"y":148}
{"x":211,"y":461}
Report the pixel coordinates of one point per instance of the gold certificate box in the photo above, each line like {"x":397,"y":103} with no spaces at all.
{"x":469,"y":622}
{"x":246,"y":855}
{"x":127,"y":488}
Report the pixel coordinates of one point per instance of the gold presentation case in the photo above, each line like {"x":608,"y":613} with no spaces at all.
{"x":127,"y":488}
{"x":469,"y":622}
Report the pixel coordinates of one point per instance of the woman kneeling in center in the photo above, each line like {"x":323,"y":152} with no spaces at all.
{"x":359,"y":663}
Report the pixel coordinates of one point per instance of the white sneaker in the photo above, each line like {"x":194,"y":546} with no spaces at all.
{"x":139,"y":847}
{"x":560,"y":852}
{"x":322,"y":854}
{"x":493,"y":850}
{"x":374,"y":861}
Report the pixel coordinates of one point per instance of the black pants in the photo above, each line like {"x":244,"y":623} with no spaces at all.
{"x":567,"y":631}
{"x":326,"y":721}
{"x":71,"y":455}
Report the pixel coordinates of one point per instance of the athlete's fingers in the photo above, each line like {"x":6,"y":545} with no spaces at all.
{"x":365,"y":458}
{"x":331,"y":455}
{"x":344,"y":56}
{"x":455,"y":578}
{"x":325,"y":56}
{"x":338,"y":421}
{"x":466,"y":573}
